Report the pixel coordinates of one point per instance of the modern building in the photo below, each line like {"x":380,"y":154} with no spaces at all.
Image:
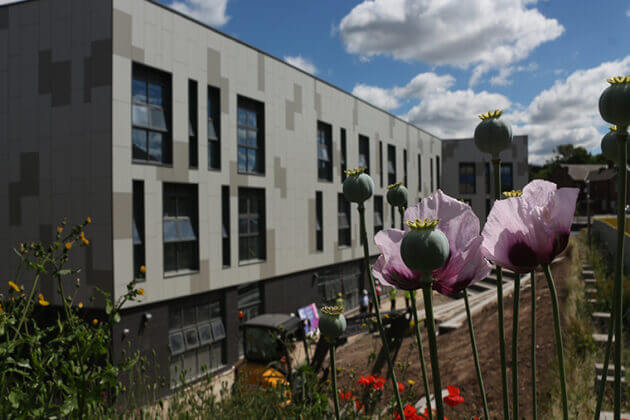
{"x":468,"y":172}
{"x":210,"y":162}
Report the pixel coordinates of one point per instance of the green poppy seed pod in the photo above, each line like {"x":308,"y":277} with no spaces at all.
{"x":610,"y":144}
{"x":614,"y":102}
{"x":424,"y":248}
{"x":358,"y":186}
{"x":397,"y":195}
{"x":332,"y":323}
{"x":493,"y":135}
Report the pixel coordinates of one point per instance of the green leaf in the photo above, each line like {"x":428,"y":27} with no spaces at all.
{"x":64,"y":272}
{"x":116,"y":318}
{"x":108,"y":308}
{"x":13,"y":399}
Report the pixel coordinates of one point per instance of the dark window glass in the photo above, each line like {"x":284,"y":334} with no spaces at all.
{"x":319,"y":222}
{"x":488,"y":207}
{"x":393,"y":216}
{"x":225,"y":225}
{"x":507,"y":180}
{"x":181,"y":245}
{"x":431,"y":172}
{"x":251,"y":224}
{"x":437,"y":170}
{"x":151,"y":115}
{"x":391,"y":164}
{"x":467,"y":179}
{"x":324,"y":151}
{"x":344,"y":155}
{"x":193,"y":128}
{"x":250,"y":136}
{"x":250,"y":304}
{"x":378,"y":213}
{"x":364,"y":153}
{"x":405,"y":167}
{"x":138,"y":230}
{"x":486,"y":170}
{"x":419,"y":172}
{"x":214,"y":128}
{"x":380,"y":161}
{"x":343,"y":221}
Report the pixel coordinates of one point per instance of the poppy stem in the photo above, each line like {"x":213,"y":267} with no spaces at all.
{"x":618,"y":297}
{"x":534,"y":397}
{"x":602,"y":387}
{"x":517,"y":294}
{"x":333,"y":370}
{"x":425,"y":379}
{"x":377,"y":308}
{"x":473,"y":342}
{"x":496,"y":163}
{"x":427,"y":292}
{"x":559,"y":347}
{"x":401,"y":210}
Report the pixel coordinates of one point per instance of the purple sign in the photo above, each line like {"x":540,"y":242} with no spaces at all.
{"x":310,"y":315}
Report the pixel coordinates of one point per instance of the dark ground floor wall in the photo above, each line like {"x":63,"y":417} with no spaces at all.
{"x":203,"y":330}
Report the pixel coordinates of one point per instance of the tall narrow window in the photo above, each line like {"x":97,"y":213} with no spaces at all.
{"x":225,"y":225}
{"x":180,"y":228}
{"x":138,"y":230}
{"x":193,"y":128}
{"x":151,"y":115}
{"x":343,"y":221}
{"x":391,"y":164}
{"x":250,"y":304}
{"x":507,"y":180}
{"x":319,"y":222}
{"x":405,"y":166}
{"x":324,"y":151}
{"x":431,"y":172}
{"x":419,"y":172}
{"x":251,"y":136}
{"x":437,"y":170}
{"x":251,"y":224}
{"x":380,"y":161}
{"x":378,"y":213}
{"x":393,"y":217}
{"x":486,"y":170}
{"x":364,"y":153}
{"x":214,"y":128}
{"x":344,"y":154}
{"x":467,"y":178}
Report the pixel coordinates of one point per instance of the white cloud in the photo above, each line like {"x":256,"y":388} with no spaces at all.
{"x":501,"y":78}
{"x":211,"y":12}
{"x":301,"y":63}
{"x":628,"y":12}
{"x":486,"y":34}
{"x":382,"y":98}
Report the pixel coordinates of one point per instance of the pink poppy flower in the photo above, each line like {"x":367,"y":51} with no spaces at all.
{"x":523,"y":232}
{"x":465,"y":264}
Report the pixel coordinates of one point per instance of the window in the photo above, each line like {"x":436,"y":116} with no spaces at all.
{"x":344,"y":154}
{"x":391,"y":164}
{"x":380,"y":161}
{"x":437,"y":170}
{"x":378,"y":213}
{"x":251,"y":224}
{"x":151,"y":115}
{"x":507,"y":180}
{"x":138,"y":229}
{"x":364,"y":153}
{"x":405,"y":167}
{"x":181,"y":245}
{"x":431,"y":172}
{"x":419,"y":172}
{"x":393,"y":217}
{"x":196,"y":336}
{"x":251,"y":136}
{"x":214,"y":128}
{"x":319,"y":222}
{"x":486,"y":170}
{"x":225,"y":222}
{"x":324,"y":151}
{"x":193,"y":161}
{"x":467,"y":178}
{"x":250,"y":303}
{"x":343,"y":221}
{"x":488,"y":207}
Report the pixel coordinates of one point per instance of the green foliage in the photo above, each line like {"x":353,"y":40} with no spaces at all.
{"x":56,"y":367}
{"x":564,"y":153}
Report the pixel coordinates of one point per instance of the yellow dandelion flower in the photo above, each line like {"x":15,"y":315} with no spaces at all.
{"x":411,"y":382}
{"x":43,"y":301}
{"x":82,"y":235}
{"x":143,"y":269}
{"x":88,"y":220}
{"x":68,"y":246}
{"x":59,"y":229}
{"x":141,"y":292}
{"x":80,"y":305}
{"x":86,"y":242}
{"x":14,"y":286}
{"x":95,"y":321}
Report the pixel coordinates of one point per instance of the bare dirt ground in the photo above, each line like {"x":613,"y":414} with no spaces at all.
{"x":455,"y":354}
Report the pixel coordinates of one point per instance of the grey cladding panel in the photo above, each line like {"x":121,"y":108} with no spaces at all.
{"x":27,"y":186}
{"x":97,"y":70}
{"x":292,"y":107}
{"x":55,"y":78}
{"x":4,"y":18}
{"x":216,"y":79}
{"x":261,"y":72}
{"x":122,"y":34}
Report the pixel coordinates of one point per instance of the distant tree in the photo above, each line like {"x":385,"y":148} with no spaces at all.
{"x":564,"y":153}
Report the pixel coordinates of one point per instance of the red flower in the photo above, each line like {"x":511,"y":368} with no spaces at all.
{"x":410,"y":413}
{"x":365,"y":381}
{"x":401,"y":387}
{"x":241,"y":315}
{"x":453,"y":398}
{"x":346,"y":396}
{"x":425,"y":415}
{"x":359,"y":406}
